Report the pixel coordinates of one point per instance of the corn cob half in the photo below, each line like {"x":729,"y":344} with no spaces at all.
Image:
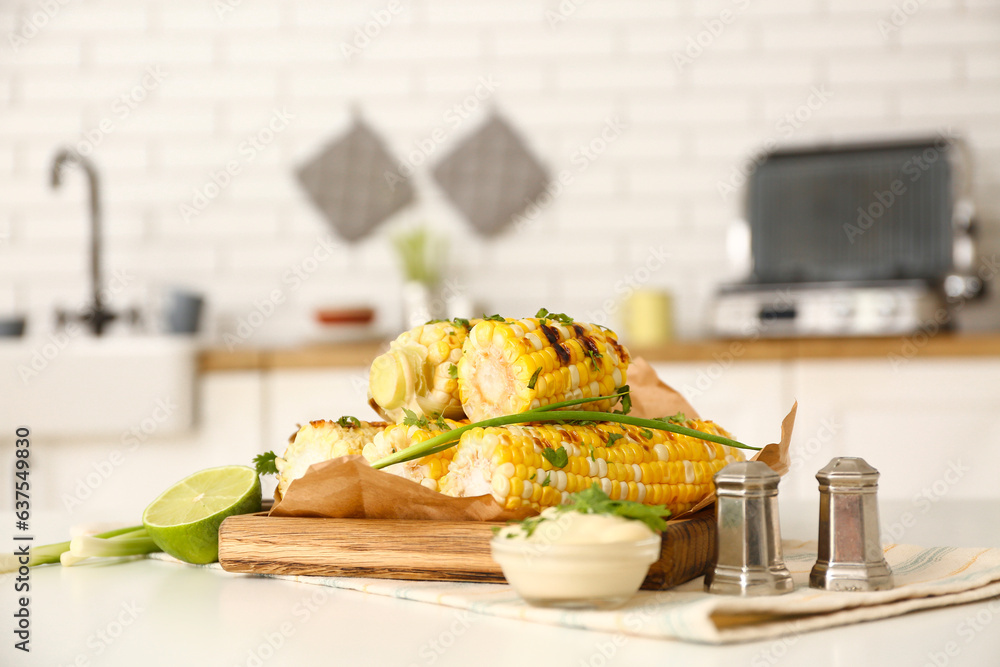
{"x":426,"y":471}
{"x":627,"y":462}
{"x":319,"y":441}
{"x":511,"y":366}
{"x":419,"y":372}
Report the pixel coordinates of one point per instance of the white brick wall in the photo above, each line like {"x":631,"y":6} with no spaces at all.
{"x":747,"y":64}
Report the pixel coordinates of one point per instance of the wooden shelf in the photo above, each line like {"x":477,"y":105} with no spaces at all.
{"x":349,"y":355}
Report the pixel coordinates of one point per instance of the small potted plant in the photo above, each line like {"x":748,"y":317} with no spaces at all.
{"x":421,"y":257}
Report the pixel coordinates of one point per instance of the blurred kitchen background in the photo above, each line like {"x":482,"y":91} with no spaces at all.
{"x":259,"y":164}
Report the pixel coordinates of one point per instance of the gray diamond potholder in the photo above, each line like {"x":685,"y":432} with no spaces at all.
{"x":491,"y":176}
{"x":355,"y":183}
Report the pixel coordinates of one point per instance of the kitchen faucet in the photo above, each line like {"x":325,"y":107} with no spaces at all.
{"x":96,"y":315}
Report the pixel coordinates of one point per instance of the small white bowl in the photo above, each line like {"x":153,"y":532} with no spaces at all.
{"x":580,"y":576}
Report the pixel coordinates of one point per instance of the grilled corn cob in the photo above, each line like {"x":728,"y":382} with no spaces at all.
{"x":319,"y":441}
{"x":511,"y":366}
{"x":419,"y":372}
{"x":627,"y":462}
{"x":426,"y":471}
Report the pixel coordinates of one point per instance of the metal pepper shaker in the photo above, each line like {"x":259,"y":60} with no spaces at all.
{"x":850,"y":554}
{"x":748,"y":556}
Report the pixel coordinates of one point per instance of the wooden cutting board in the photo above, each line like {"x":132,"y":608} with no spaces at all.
{"x":419,"y":550}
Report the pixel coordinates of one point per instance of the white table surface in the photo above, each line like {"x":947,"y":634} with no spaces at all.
{"x":156,"y":613}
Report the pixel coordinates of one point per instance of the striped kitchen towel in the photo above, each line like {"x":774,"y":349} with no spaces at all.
{"x":925,"y":578}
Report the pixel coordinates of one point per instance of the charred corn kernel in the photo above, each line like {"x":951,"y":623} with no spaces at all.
{"x":427,"y":470}
{"x":319,"y":441}
{"x":418,"y":372}
{"x":513,"y":365}
{"x":488,"y":461}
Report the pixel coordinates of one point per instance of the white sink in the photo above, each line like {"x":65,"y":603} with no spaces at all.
{"x":63,"y":386}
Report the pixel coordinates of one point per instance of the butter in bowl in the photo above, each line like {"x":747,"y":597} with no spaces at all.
{"x":590,"y":553}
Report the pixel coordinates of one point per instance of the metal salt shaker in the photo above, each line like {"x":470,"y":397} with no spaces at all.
{"x":850,"y":554}
{"x":748,"y":560}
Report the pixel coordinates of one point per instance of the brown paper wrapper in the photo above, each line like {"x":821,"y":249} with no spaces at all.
{"x":349,"y":488}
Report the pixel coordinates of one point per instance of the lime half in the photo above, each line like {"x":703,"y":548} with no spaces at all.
{"x":184,"y":521}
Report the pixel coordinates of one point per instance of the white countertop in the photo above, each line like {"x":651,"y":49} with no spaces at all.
{"x":157,"y":613}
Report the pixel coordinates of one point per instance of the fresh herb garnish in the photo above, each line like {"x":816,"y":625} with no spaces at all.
{"x":557,"y":457}
{"x":595,"y":501}
{"x":461,"y":322}
{"x":412,"y":419}
{"x":495,"y":318}
{"x":613,"y":438}
{"x":678,"y":418}
{"x":452,"y":371}
{"x":348,"y":421}
{"x":626,"y":400}
{"x":592,"y":453}
{"x":545,"y":482}
{"x":534,"y":378}
{"x":441,"y":423}
{"x":264,"y":463}
{"x":593,"y":355}
{"x":646,"y":433}
{"x":562,"y":318}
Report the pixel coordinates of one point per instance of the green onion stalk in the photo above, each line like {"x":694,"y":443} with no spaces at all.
{"x":448,"y":439}
{"x":131,"y":541}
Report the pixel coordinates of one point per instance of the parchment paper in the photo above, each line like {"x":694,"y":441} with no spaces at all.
{"x":347,"y":487}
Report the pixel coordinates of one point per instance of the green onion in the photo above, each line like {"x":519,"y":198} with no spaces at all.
{"x":443,"y":441}
{"x":132,"y":544}
{"x":60,"y":552}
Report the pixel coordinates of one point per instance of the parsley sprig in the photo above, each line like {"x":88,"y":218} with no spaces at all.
{"x":559,"y":458}
{"x":264,"y":463}
{"x":595,"y":501}
{"x":561,"y":318}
